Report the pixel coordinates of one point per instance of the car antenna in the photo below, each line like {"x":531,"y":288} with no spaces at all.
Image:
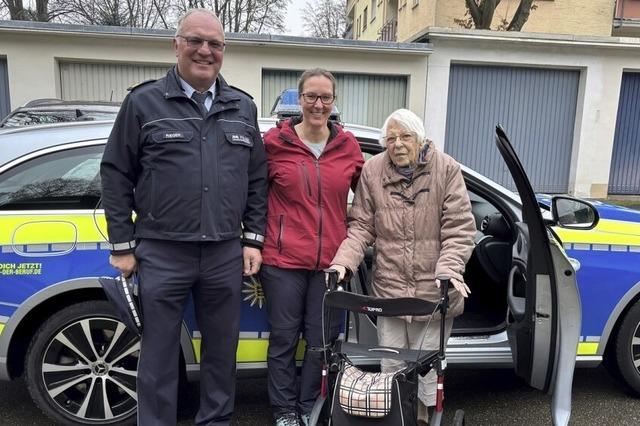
{"x":111,"y":97}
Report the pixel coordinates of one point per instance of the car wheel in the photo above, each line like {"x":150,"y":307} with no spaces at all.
{"x":81,"y":367}
{"x":628,"y":348}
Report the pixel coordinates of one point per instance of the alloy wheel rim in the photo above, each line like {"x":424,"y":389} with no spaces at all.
{"x":89,"y":370}
{"x":635,"y":348}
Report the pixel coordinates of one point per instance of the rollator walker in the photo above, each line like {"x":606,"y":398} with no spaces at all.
{"x":353,"y":397}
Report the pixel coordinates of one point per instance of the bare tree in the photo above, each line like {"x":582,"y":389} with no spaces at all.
{"x":126,"y":13}
{"x":18,"y":11}
{"x":243,"y":16}
{"x":480,"y":14}
{"x":325,"y":18}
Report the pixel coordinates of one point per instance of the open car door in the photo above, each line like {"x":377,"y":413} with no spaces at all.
{"x":544,"y":306}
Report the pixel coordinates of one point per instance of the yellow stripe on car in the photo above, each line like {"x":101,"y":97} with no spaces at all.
{"x":255,"y":350}
{"x":587,"y":348}
{"x":613,"y":232}
{"x":250,"y":350}
{"x":23,"y":229}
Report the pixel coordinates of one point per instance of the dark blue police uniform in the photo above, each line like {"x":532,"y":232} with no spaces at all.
{"x":197,"y":182}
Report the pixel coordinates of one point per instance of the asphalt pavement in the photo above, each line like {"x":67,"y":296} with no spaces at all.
{"x":489,"y":397}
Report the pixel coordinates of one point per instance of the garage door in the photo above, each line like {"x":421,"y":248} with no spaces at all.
{"x":536,"y":107}
{"x":362,"y":98}
{"x":104,"y":81}
{"x":5,"y":104}
{"x":624,"y":177}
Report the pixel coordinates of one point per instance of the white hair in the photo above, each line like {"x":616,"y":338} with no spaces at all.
{"x":191,"y":12}
{"x":407,"y":120}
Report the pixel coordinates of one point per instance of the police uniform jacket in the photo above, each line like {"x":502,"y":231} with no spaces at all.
{"x":188,"y":176}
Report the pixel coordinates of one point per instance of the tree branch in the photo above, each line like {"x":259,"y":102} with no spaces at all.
{"x":521,"y":16}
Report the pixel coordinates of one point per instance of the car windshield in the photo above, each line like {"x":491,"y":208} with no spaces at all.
{"x":31,"y":118}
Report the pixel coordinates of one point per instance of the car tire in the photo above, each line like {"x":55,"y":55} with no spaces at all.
{"x":81,"y":367}
{"x":628,"y":351}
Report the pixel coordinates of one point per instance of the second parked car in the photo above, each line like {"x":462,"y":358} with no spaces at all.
{"x":49,"y":111}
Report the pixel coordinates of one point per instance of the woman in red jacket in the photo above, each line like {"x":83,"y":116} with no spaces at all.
{"x":312,"y":164}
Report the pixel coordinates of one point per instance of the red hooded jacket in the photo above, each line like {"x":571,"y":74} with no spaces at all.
{"x":307,"y":201}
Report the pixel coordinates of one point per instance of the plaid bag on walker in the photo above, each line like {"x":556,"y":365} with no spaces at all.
{"x":365,"y":394}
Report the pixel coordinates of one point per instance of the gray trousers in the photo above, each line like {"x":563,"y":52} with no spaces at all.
{"x":169,"y":272}
{"x":294,"y":305}
{"x":396,"y":332}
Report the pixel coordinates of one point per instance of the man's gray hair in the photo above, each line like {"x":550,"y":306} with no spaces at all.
{"x":191,"y":12}
{"x":407,"y":120}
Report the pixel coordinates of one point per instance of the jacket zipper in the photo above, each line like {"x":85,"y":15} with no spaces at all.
{"x":305,"y":174}
{"x":281,"y":233}
{"x":317,"y":164}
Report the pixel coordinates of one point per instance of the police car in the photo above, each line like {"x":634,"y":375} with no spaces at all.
{"x":58,"y":331}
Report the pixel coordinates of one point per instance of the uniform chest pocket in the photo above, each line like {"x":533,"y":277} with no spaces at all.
{"x":235,"y":138}
{"x":172,"y":136}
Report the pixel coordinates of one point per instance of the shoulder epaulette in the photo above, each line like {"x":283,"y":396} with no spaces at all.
{"x":142,"y":83}
{"x":240,"y":90}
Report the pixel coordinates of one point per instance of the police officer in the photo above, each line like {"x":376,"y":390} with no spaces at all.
{"x":186,"y":155}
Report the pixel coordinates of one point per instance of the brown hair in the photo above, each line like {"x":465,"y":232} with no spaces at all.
{"x":316,"y":72}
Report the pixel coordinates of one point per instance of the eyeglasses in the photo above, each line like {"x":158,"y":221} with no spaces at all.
{"x":196,"y":43}
{"x":405,"y":137}
{"x":312,"y":98}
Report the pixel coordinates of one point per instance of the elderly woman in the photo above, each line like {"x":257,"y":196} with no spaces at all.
{"x":411,"y":203}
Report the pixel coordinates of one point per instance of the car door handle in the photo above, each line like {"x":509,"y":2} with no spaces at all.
{"x":516,"y":303}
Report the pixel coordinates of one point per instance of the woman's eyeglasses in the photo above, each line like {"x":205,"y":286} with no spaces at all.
{"x":312,"y":98}
{"x":405,"y":137}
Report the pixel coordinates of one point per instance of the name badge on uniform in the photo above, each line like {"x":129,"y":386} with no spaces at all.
{"x":239,"y":139}
{"x":173,"y":135}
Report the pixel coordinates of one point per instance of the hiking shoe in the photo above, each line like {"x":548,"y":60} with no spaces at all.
{"x":288,"y":419}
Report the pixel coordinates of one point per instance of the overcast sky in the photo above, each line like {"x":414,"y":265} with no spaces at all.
{"x":293,"y":19}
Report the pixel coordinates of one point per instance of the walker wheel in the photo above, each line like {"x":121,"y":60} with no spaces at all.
{"x":458,"y":418}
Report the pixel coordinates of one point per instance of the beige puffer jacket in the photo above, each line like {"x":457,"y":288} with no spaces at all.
{"x":421,"y":230}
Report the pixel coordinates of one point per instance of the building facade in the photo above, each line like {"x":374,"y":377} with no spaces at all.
{"x":73,"y":62}
{"x":568,"y":102}
{"x":409,"y":20}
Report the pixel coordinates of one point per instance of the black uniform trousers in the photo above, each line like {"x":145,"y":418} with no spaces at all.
{"x":294,"y":305}
{"x":169,"y":271}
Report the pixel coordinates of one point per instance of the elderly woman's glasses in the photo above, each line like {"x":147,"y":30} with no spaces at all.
{"x":197,"y":42}
{"x":312,"y":98}
{"x":405,"y":137}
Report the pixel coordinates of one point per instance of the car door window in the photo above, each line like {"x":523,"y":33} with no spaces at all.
{"x":63,"y":180}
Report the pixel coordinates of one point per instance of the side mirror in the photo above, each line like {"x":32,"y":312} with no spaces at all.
{"x":573,"y":213}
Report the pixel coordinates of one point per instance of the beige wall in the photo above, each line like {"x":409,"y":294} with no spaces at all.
{"x":32,"y":60}
{"x":578,"y":17}
{"x":413,"y":18}
{"x":373,"y":26}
